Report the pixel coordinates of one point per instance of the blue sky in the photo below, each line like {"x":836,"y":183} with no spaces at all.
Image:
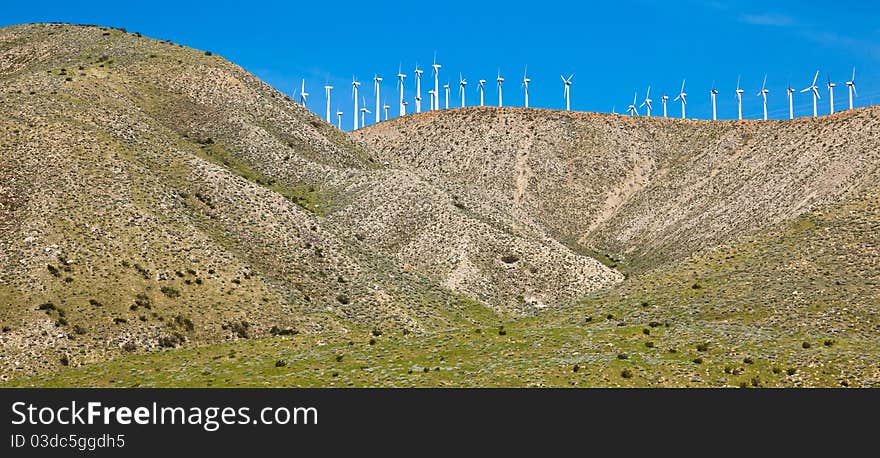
{"x":613,"y":48}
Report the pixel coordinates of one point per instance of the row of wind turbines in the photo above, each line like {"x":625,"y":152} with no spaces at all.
{"x":647,"y":103}
{"x":360,"y":102}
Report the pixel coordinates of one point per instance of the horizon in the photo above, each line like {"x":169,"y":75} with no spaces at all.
{"x":787,"y":41}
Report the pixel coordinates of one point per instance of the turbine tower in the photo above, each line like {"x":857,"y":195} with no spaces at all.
{"x":632,"y":107}
{"x":665,"y":98}
{"x":303,"y":95}
{"x":418,"y":89}
{"x":446,"y":89}
{"x":482,"y":83}
{"x":831,"y":86}
{"x":739,"y":98}
{"x":436,"y":68}
{"x":339,"y":119}
{"x":327,"y":90}
{"x":500,"y":83}
{"x":763,"y":93}
{"x":355,"y":84}
{"x":525,"y":84}
{"x":682,"y":95}
{"x":647,"y":103}
{"x":815,"y":90}
{"x":791,"y":92}
{"x":386,"y":107}
{"x":851,"y":85}
{"x":400,"y":79}
{"x":461,"y":85}
{"x":377,"y":80}
{"x":713,"y":94}
{"x":431,"y":94}
{"x":364,"y":112}
{"x":567,"y":91}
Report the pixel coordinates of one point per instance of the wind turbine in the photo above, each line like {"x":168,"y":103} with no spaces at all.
{"x":647,"y":102}
{"x":831,"y":86}
{"x":400,"y":79}
{"x":739,"y":98}
{"x":327,"y":90}
{"x":436,"y":68}
{"x":632,"y":107}
{"x":364,"y":112}
{"x":377,"y":80}
{"x":339,"y":119}
{"x":567,"y":91}
{"x":525,"y":84}
{"x":613,"y":110}
{"x":446,"y":89}
{"x":418,"y":89}
{"x":500,"y":83}
{"x":682,"y":95}
{"x":851,"y":85}
{"x":713,"y":93}
{"x":386,"y":107}
{"x":815,"y":90}
{"x":431,"y":93}
{"x":791,"y":92}
{"x":665,"y":98}
{"x":763,"y":93}
{"x":482,"y":83}
{"x":303,"y":95}
{"x":405,"y":103}
{"x":354,"y":93}
{"x":461,"y":85}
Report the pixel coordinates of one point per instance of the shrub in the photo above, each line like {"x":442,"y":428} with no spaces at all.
{"x":377,"y":332}
{"x":64,"y":360}
{"x":343,"y":299}
{"x":698,"y":360}
{"x":776,"y":370}
{"x":339,"y":358}
{"x":622,"y":356}
{"x":79,"y":329}
{"x":61,"y":322}
{"x":172,"y":340}
{"x":502,"y":331}
{"x":626,"y":373}
{"x":184,"y":322}
{"x":748,"y":360}
{"x":828,"y":342}
{"x":280,"y":363}
{"x":609,"y":316}
{"x":372,"y":341}
{"x":703,"y":346}
{"x":170,"y":292}
{"x":575,"y":368}
{"x":239,"y":328}
{"x":510,"y":258}
{"x":129,"y":346}
{"x":119,"y":321}
{"x":654,"y":324}
{"x":208,"y":53}
{"x":791,"y":371}
{"x":95,"y":303}
{"x":806,"y":345}
{"x":649,"y":344}
{"x":696,"y":286}
{"x":46,"y":306}
{"x":588,"y":319}
{"x":276,"y":331}
{"x":53,"y":270}
{"x":7,"y":329}
{"x":646,"y":331}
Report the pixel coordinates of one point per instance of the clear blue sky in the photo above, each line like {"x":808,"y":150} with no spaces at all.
{"x":613,"y":48}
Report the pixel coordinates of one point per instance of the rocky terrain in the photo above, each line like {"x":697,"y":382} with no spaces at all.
{"x":167,"y":219}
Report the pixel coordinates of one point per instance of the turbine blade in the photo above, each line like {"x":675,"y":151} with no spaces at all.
{"x":815,"y":78}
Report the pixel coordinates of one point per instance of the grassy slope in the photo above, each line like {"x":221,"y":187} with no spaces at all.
{"x":753,"y":303}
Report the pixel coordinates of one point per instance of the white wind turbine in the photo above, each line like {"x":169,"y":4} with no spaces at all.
{"x":461,"y":85}
{"x":405,"y":103}
{"x":377,"y":80}
{"x":364,"y":112}
{"x":682,"y":95}
{"x":525,"y":84}
{"x":431,"y":94}
{"x":482,"y":84}
{"x":664,"y":99}
{"x":327,"y":90}
{"x":851,"y":85}
{"x":303,"y":95}
{"x":713,"y":94}
{"x":436,"y":68}
{"x":339,"y":119}
{"x":386,"y":107}
{"x":791,"y":92}
{"x":446,"y":90}
{"x":418,"y":89}
{"x":400,"y":79}
{"x":647,"y":103}
{"x":500,"y":83}
{"x":739,"y":98}
{"x":763,"y":93}
{"x":354,"y":94}
{"x":815,"y":90}
{"x":831,"y":86}
{"x":567,"y":91}
{"x":632,"y":107}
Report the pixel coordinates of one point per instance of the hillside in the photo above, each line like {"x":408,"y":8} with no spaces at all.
{"x":156,"y":196}
{"x":168,"y":219}
{"x":642,"y":191}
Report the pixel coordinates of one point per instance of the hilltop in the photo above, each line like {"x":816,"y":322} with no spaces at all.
{"x":168,"y":219}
